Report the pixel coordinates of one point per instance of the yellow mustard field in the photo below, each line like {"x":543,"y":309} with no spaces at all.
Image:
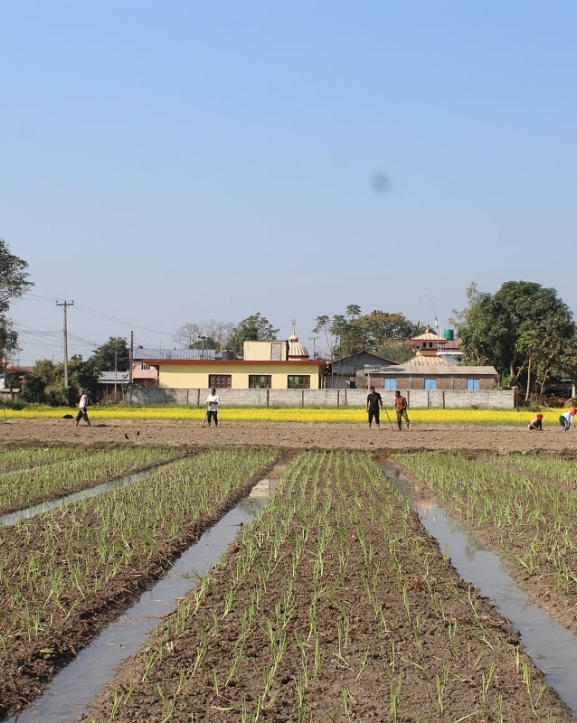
{"x":345,"y":415}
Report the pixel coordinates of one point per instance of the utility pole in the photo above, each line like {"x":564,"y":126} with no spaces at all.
{"x":65,"y":305}
{"x":130,"y":363}
{"x":314,"y":341}
{"x":130,"y":357}
{"x":115,"y":368}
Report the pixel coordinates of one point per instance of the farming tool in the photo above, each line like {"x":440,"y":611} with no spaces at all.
{"x":388,"y":417}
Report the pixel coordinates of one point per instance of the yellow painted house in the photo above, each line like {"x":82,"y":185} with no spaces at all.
{"x":265,"y":365}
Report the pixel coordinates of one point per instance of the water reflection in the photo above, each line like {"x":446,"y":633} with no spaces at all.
{"x":551,"y":646}
{"x":13,"y":518}
{"x":76,"y":685}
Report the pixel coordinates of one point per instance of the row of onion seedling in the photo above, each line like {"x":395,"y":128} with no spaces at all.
{"x":25,"y":481}
{"x":334,"y":605}
{"x":61,"y":567}
{"x":526,"y":503}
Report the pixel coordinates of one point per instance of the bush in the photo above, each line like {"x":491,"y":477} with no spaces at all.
{"x":17,"y":404}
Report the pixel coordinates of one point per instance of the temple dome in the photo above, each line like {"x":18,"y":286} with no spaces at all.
{"x":296,"y":349}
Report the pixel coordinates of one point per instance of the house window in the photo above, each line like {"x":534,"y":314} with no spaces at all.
{"x":389,"y":383}
{"x":220,"y":381}
{"x":145,"y":367}
{"x":298,"y":381}
{"x":259,"y":381}
{"x":473,"y":385}
{"x":430,"y":383}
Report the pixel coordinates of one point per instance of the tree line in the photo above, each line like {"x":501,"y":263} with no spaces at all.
{"x":524,"y":330}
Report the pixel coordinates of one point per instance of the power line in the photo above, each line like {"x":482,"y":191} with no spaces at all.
{"x":132,"y":325}
{"x":100,"y":314}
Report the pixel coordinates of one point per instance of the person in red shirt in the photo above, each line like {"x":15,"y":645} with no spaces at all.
{"x":536,"y":423}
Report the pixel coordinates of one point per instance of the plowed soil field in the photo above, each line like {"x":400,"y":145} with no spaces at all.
{"x":290,"y":435}
{"x":423,"y":645}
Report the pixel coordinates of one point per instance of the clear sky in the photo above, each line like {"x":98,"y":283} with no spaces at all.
{"x":176,"y":161}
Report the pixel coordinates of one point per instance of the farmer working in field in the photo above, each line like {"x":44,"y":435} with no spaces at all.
{"x":212,"y":402}
{"x":401,"y":405}
{"x":536,"y":423}
{"x":82,"y":408}
{"x":374,"y":406}
{"x":566,"y":419}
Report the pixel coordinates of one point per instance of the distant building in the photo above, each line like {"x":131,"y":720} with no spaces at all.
{"x":265,"y":365}
{"x":429,"y":370}
{"x":355,"y":369}
{"x":13,"y":379}
{"x":451,"y":351}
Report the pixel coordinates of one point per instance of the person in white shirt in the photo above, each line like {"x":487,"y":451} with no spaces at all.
{"x":212,"y":402}
{"x":82,"y":408}
{"x":566,"y":420}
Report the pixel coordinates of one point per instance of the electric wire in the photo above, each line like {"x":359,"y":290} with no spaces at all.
{"x":100,"y":314}
{"x":52,"y":340}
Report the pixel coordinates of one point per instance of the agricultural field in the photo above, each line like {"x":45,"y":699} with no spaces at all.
{"x":333,"y":605}
{"x":66,"y":573}
{"x":523,"y":507}
{"x":432,"y":430}
{"x":29,"y":476}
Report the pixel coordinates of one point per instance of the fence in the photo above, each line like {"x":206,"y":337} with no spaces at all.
{"x":417,"y":398}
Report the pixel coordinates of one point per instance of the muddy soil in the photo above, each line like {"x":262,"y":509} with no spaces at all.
{"x":289,"y":435}
{"x":29,"y":676}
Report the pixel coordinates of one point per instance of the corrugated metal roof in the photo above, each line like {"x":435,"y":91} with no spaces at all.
{"x":429,"y":336}
{"x":440,"y":370}
{"x":179,"y":354}
{"x":427,"y":360}
{"x":111,"y":377}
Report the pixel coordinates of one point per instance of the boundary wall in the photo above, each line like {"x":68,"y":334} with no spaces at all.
{"x":417,"y":398}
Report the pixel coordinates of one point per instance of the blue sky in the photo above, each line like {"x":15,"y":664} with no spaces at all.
{"x":182,"y":161}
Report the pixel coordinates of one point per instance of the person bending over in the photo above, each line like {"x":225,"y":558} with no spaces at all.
{"x":536,"y":423}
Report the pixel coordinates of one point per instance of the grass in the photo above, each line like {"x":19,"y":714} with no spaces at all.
{"x":344,"y":415}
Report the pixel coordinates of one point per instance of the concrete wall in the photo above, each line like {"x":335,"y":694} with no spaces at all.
{"x":418,"y":398}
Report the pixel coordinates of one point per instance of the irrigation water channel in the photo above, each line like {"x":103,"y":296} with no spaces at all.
{"x":552,"y":647}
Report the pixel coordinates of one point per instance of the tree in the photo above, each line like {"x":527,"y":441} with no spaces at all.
{"x":522,"y":330}
{"x":253,"y":328}
{"x":83,"y":374}
{"x":376,"y":332}
{"x":396,"y":350}
{"x":45,"y":385}
{"x":112,"y":355}
{"x":382,"y":328}
{"x":343,"y":335}
{"x":205,"y":335}
{"x":13,"y":285}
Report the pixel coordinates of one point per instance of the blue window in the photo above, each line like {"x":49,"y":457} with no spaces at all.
{"x":430,"y":383}
{"x":473,"y":385}
{"x":389,"y":383}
